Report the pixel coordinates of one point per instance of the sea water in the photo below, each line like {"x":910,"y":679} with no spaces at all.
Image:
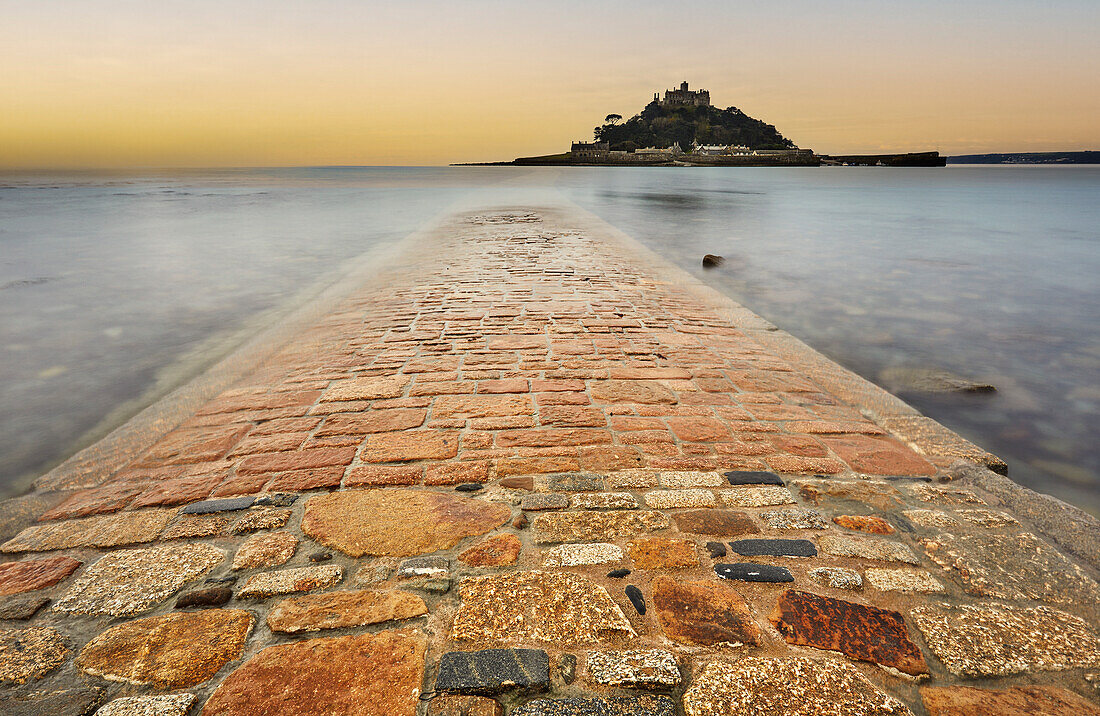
{"x":115,"y":287}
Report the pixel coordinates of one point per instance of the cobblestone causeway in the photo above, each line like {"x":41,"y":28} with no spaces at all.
{"x":528,"y":448}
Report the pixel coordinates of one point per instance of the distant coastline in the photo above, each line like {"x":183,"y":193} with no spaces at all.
{"x":1082,"y":157}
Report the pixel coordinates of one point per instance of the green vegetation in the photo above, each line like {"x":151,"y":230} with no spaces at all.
{"x":658,"y":126}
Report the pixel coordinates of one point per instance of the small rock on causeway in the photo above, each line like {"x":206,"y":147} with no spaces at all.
{"x":864,"y":523}
{"x":424,"y":567}
{"x":637,"y":599}
{"x":231,"y":504}
{"x":753,"y":478}
{"x":605,"y":501}
{"x":492,"y":671}
{"x":399,"y":523}
{"x":690,"y":479}
{"x":766,"y":496}
{"x":543,"y":501}
{"x":168,"y":652}
{"x":557,"y":608}
{"x":575,"y":555}
{"x":208,"y":597}
{"x":976,"y":641}
{"x":593,"y":526}
{"x":671,"y":499}
{"x":569,"y":482}
{"x":858,"y":631}
{"x":837,"y":577}
{"x":493,"y":552}
{"x":704,"y":613}
{"x":132,"y":581}
{"x":794,"y":686}
{"x":903,"y":580}
{"x":795,"y":519}
{"x":662,"y":553}
{"x":337,"y":610}
{"x":288,"y":581}
{"x":609,"y":706}
{"x":633,"y":669}
{"x":356,"y":675}
{"x":750,"y":572}
{"x":774,"y":548}
{"x":716,"y":523}
{"x":265,"y":550}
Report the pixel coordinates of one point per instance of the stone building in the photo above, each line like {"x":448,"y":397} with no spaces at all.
{"x":684,"y":96}
{"x":589,"y":150}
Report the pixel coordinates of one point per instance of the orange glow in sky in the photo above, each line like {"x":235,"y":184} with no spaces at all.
{"x":118,"y":83}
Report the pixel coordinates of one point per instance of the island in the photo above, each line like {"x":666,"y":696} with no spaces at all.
{"x":683,"y":128}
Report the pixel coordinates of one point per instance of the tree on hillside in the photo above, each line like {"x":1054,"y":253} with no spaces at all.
{"x":612,"y":119}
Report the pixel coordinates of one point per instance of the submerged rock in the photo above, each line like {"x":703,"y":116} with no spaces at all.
{"x":930,"y":380}
{"x":711,"y":261}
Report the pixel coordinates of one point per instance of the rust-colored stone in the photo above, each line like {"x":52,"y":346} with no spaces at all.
{"x":359,"y":675}
{"x":16,"y":577}
{"x":335,"y":610}
{"x":704,"y":613}
{"x":1016,"y":701}
{"x":632,"y":391}
{"x":717,"y":523}
{"x":877,"y":455}
{"x":493,"y":552}
{"x":662,"y":553}
{"x":265,"y":550}
{"x":396,"y":522}
{"x":865,"y":523}
{"x":410,"y":445}
{"x":858,"y":631}
{"x":456,"y":705}
{"x":168,"y":652}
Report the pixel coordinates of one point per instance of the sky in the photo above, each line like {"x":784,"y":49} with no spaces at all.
{"x":124,"y":83}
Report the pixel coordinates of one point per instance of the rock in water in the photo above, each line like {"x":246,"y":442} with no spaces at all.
{"x":710,"y":261}
{"x":930,"y":380}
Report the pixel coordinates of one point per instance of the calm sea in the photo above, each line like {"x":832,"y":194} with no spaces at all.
{"x":114,"y":287}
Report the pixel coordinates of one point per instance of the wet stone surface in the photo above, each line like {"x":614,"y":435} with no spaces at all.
{"x":1019,"y":566}
{"x":858,"y":631}
{"x":793,"y":686}
{"x":704,"y":613}
{"x":358,"y":675}
{"x":557,"y":608}
{"x":633,"y":669}
{"x":492,"y":671}
{"x":976,"y":641}
{"x":168,"y":652}
{"x":164,"y":705}
{"x":774,"y":548}
{"x":132,"y":581}
{"x":608,"y":706}
{"x":750,"y":572}
{"x":399,"y":523}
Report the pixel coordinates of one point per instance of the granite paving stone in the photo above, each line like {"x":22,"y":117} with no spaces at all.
{"x":257,"y":519}
{"x":569,"y":482}
{"x":679,"y":480}
{"x":463,"y":705}
{"x":703,"y":613}
{"x":715,"y":523}
{"x":395,"y":522}
{"x":750,"y":477}
{"x":997,"y":640}
{"x":633,"y":669}
{"x":434,"y":566}
{"x":493,"y":671}
{"x":872,"y":548}
{"x":859,"y":631}
{"x":173,"y":651}
{"x":74,"y":701}
{"x":31,"y":653}
{"x":265,"y":550}
{"x":337,"y":610}
{"x":662,"y":553}
{"x":837,"y":577}
{"x":162,"y":705}
{"x":195,"y":526}
{"x":903,"y":580}
{"x":544,"y":501}
{"x":864,"y":523}
{"x":575,"y":555}
{"x":556,"y":608}
{"x":774,"y":548}
{"x":990,"y":519}
{"x":592,"y":526}
{"x":795,"y":519}
{"x":289,"y":581}
{"x":601,"y":706}
{"x":605,"y":501}
{"x":495,"y":551}
{"x":751,"y":572}
{"x":767,"y":496}
{"x":1017,"y":566}
{"x":1014,"y":701}
{"x":632,"y":479}
{"x":672,"y":499}
{"x":356,"y":675}
{"x":931,"y":519}
{"x":936,"y":495}
{"x":792,"y":686}
{"x":132,"y":581}
{"x":31,"y":574}
{"x":116,"y":530}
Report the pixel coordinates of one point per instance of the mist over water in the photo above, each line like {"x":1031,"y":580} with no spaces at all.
{"x":106,"y":280}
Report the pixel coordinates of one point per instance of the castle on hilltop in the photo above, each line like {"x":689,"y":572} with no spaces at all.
{"x":684,"y":96}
